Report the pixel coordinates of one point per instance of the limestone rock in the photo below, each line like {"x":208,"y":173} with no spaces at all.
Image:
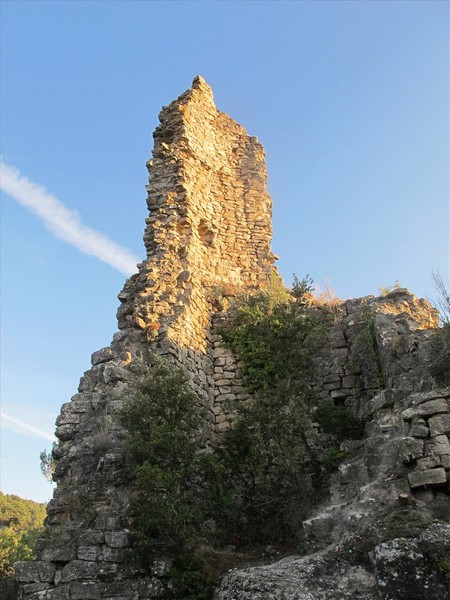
{"x":427,"y":477}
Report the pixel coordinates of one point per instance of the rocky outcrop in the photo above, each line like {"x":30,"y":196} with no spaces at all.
{"x":399,"y":569}
{"x":208,"y":238}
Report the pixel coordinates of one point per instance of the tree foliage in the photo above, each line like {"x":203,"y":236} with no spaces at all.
{"x":21,"y":523}
{"x":276,"y":338}
{"x":164,"y":461}
{"x":48,"y":463}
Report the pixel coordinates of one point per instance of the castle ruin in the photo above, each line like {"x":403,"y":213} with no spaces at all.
{"x":208,"y":233}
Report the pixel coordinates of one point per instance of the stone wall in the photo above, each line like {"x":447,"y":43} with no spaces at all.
{"x":375,"y":343}
{"x":208,"y":238}
{"x":208,"y":232}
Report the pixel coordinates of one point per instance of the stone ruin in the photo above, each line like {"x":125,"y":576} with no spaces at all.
{"x":207,"y":237}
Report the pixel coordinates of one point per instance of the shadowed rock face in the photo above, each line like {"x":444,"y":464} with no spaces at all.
{"x":208,"y":235}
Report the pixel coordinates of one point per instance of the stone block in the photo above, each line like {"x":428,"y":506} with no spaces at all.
{"x":427,"y":478}
{"x":332,"y":386}
{"x":445,"y":461}
{"x":117,"y":539}
{"x":34,"y":571}
{"x":84,"y":590}
{"x":427,"y":409}
{"x":38,"y":589}
{"x":66,"y":432}
{"x":439,"y":424}
{"x":107,"y":571}
{"x":349,"y":381}
{"x":394,"y":563}
{"x":439,"y":445}
{"x":102,"y":356}
{"x":420,"y":397}
{"x":339,"y":394}
{"x":220,"y":352}
{"x":113,"y":374}
{"x":78,"y":570}
{"x":59,"y":593}
{"x":91,"y":538}
{"x":89,"y":553}
{"x":411,"y":449}
{"x":115,"y":555}
{"x":419,"y":431}
{"x":222,"y":426}
{"x":429,"y":462}
{"x":229,"y":374}
{"x":120,"y":590}
{"x":332,"y":378}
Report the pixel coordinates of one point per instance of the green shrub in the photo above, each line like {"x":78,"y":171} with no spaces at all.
{"x":162,"y":448}
{"x":276,"y":337}
{"x":268,"y":471}
{"x":266,"y":457}
{"x":369,"y":367}
{"x":333,"y":458}
{"x":443,"y":564}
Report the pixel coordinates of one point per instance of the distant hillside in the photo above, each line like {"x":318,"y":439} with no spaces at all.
{"x":21,"y":523}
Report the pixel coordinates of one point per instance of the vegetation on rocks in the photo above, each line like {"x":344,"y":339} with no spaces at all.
{"x":255,"y":487}
{"x":276,"y":335}
{"x":266,"y":454}
{"x":165,"y":464}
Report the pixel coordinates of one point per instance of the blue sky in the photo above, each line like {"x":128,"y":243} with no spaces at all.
{"x":350,"y":100}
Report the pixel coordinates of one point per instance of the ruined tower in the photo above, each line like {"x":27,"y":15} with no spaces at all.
{"x":208,"y":233}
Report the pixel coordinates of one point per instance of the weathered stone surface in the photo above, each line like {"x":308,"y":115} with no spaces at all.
{"x":89,"y":553}
{"x":395,"y":562}
{"x":37,"y":570}
{"x":102,"y":356}
{"x":84,"y":590}
{"x":439,"y":445}
{"x":420,"y":431}
{"x":421,"y":397}
{"x":77,"y":570}
{"x":426,"y":409}
{"x":117,"y":539}
{"x":439,"y":424}
{"x":294,"y":578}
{"x":412,"y":449}
{"x":429,"y":477}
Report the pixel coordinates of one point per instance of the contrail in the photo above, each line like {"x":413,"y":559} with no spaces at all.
{"x":63,"y":222}
{"x":26,"y":428}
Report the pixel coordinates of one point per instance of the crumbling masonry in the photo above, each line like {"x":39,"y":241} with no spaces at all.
{"x":207,"y":238}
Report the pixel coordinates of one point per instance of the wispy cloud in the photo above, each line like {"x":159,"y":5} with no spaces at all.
{"x":63,"y":222}
{"x":25,"y":428}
